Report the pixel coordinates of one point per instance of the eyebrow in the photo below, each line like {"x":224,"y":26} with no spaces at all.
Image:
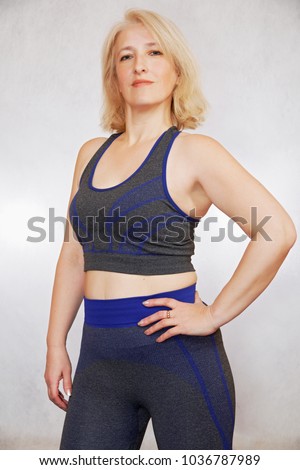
{"x":132,"y":48}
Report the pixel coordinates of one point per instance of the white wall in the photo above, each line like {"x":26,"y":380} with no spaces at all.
{"x":50,"y":85}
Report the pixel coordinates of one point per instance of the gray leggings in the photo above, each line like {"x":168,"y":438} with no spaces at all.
{"x":124,"y":378}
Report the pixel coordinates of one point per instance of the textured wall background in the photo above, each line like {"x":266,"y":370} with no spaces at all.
{"x":50,"y":93}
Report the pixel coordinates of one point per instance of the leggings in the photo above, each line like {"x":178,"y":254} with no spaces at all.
{"x":124,"y":377}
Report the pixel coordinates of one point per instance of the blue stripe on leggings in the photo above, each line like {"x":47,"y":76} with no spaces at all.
{"x":204,"y":391}
{"x":223,"y":378}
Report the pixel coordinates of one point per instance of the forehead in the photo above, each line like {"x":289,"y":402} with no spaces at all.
{"x":134,"y":35}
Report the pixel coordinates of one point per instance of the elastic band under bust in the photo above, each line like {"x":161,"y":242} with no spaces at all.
{"x":127,"y":311}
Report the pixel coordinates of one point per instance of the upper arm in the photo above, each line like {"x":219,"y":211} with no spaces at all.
{"x":232,"y":189}
{"x":71,"y":246}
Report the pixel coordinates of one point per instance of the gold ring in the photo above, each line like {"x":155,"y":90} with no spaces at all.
{"x":168,"y":314}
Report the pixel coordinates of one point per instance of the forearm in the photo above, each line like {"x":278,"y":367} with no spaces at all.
{"x":67,"y":295}
{"x":256,"y":269}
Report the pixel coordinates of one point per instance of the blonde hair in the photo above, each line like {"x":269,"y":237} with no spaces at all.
{"x":188,"y":104}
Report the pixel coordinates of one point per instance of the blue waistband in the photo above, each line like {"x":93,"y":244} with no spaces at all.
{"x":127,"y":311}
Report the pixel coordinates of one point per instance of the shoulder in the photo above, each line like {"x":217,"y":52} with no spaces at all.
{"x":201,"y":149}
{"x":199,"y":142}
{"x":205,"y":150}
{"x":86,"y":152}
{"x":88,"y":149}
{"x":211,"y":164}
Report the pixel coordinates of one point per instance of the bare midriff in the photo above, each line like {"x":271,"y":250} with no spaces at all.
{"x":112,"y":285}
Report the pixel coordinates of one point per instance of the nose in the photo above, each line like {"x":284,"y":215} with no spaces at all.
{"x":140,"y":64}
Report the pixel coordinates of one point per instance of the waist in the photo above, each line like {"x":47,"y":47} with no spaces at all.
{"x":127,"y":311}
{"x":110,"y":285}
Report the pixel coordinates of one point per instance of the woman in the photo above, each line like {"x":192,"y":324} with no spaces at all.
{"x":136,"y":199}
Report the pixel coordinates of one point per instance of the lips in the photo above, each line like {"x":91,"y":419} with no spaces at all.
{"x":141,"y":82}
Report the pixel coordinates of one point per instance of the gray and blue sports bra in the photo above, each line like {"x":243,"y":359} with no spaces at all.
{"x":134,"y":227}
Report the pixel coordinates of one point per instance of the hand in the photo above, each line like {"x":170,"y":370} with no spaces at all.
{"x":58,"y":366}
{"x":186,"y":318}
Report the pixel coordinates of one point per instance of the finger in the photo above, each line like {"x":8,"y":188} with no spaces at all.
{"x":53,"y":389}
{"x":56,"y":396}
{"x":59,"y":400}
{"x":168,"y":334}
{"x":159,"y":325}
{"x":151,"y":318}
{"x":62,"y":399}
{"x":67,"y":383}
{"x":165,"y":301}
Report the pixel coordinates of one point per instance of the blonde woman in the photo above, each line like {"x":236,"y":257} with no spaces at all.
{"x":137,"y":197}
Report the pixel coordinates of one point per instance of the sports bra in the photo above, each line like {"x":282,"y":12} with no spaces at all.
{"x":134,"y":227}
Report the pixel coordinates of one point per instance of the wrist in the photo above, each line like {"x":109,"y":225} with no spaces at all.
{"x":213,"y":318}
{"x":56,"y":344}
{"x":56,"y":339}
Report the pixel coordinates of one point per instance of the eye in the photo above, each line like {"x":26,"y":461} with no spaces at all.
{"x":128,"y":55}
{"x":157,"y":51}
{"x":124,"y":57}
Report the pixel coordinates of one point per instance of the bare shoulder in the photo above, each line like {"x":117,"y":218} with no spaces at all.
{"x":208,"y":154}
{"x":89,"y":148}
{"x":199,"y":144}
{"x":86,"y":152}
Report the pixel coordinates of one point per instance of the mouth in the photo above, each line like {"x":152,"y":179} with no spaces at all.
{"x":139,"y":84}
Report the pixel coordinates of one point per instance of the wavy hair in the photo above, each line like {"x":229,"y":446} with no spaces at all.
{"x":188,"y":105}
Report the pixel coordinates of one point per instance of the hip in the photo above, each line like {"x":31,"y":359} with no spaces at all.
{"x":113,"y":343}
{"x":111,"y":328}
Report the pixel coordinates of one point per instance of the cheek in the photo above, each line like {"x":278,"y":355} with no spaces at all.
{"x":167,"y":75}
{"x":167,"y":82}
{"x":121,"y":73}
{"x":125,"y":77}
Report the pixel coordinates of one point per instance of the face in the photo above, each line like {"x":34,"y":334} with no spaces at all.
{"x":140,"y":61}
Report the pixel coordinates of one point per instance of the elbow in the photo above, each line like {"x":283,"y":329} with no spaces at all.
{"x":284,"y":236}
{"x":291,"y":233}
{"x":291,"y":236}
